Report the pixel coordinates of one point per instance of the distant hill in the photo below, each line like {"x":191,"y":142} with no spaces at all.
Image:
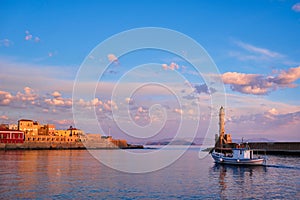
{"x":199,"y":141}
{"x":253,"y":140}
{"x":183,"y":141}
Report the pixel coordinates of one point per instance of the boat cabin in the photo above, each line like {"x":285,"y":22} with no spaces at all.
{"x":242,"y":153}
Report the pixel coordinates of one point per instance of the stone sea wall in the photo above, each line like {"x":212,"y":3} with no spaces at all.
{"x":292,"y":148}
{"x":60,"y":142}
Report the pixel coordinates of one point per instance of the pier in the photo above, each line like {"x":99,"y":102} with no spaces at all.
{"x":286,"y":148}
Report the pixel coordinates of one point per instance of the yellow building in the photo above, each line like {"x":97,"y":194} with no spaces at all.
{"x":48,"y":129}
{"x":75,"y":132}
{"x":29,"y":127}
{"x":33,"y":128}
{"x":70,"y":132}
{"x":63,"y":133}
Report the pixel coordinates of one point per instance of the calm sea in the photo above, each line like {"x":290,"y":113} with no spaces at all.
{"x":75,"y":174}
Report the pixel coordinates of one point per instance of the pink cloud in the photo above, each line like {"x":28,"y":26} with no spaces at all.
{"x":288,"y":77}
{"x":107,"y":107}
{"x":141,"y":110}
{"x":28,"y":95}
{"x":238,"y":78}
{"x":112,"y":58}
{"x":59,"y":101}
{"x":259,"y":84}
{"x":29,"y":37}
{"x":64,"y":122}
{"x":4,"y":117}
{"x":56,"y":94}
{"x":129,"y":100}
{"x":165,"y":66}
{"x":96,"y":102}
{"x":172,"y":66}
{"x":179,"y":111}
{"x":5,"y":98}
{"x":296,"y":7}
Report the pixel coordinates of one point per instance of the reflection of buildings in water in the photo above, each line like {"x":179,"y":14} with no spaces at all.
{"x":27,"y":168}
{"x":46,"y":171}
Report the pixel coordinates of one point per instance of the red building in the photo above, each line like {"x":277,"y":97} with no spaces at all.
{"x":11,"y":136}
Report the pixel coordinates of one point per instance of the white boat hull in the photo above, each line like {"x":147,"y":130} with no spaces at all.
{"x":219,"y":158}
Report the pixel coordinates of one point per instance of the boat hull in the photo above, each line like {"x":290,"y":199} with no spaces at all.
{"x":233,"y":161}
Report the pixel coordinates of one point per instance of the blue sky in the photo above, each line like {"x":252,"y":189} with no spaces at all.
{"x":254,"y":44}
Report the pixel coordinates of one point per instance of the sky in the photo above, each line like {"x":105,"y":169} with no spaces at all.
{"x":148,"y":94}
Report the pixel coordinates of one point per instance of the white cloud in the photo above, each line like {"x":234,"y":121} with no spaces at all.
{"x":37,"y":39}
{"x":6,"y":43}
{"x":259,"y":50}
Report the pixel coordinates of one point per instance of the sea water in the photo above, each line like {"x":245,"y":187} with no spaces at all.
{"x":76,"y":174}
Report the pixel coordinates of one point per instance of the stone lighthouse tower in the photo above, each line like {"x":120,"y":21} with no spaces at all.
{"x":223,"y":138}
{"x":221,"y":122}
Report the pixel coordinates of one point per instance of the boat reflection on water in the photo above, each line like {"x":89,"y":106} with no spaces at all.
{"x":238,"y":178}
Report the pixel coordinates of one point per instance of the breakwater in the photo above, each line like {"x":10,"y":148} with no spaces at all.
{"x":288,"y":148}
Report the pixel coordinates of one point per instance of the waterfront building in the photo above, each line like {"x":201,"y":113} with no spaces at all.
{"x":28,"y":127}
{"x":75,"y":132}
{"x":62,"y":133}
{"x":48,"y":129}
{"x":34,"y":135}
{"x":11,"y":136}
{"x":13,"y":127}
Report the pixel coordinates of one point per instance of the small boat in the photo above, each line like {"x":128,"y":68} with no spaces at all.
{"x":238,"y":156}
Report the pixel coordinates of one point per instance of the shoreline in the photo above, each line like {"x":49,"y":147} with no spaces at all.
{"x":65,"y":146}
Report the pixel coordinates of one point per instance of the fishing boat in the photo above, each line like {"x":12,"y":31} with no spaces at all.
{"x":238,"y":156}
{"x":227,"y":152}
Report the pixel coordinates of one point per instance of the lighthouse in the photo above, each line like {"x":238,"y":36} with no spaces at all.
{"x":223,"y":138}
{"x":221,"y":122}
